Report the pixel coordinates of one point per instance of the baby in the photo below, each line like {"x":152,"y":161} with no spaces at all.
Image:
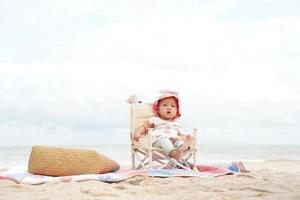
{"x":166,"y":130}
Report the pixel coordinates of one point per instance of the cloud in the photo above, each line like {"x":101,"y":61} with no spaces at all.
{"x":69,"y":67}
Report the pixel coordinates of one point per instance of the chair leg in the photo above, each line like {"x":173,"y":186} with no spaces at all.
{"x":142,"y":162}
{"x":195,"y":135}
{"x":149,"y":130}
{"x":150,"y":159}
{"x":132,"y":160}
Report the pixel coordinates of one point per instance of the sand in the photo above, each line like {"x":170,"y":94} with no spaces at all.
{"x":267,"y":180}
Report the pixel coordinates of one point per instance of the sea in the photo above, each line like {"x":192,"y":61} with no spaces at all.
{"x":16,"y":156}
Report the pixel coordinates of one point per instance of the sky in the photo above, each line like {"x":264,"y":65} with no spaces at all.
{"x":68,"y":67}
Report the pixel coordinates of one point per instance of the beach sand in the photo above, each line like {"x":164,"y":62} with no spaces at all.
{"x":266,"y":180}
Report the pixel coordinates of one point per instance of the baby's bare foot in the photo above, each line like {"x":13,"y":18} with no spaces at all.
{"x":176,"y":154}
{"x":187,"y":143}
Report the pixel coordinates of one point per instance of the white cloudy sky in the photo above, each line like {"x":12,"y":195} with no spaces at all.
{"x":67,"y":68}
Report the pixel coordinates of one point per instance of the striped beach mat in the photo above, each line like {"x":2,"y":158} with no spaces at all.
{"x":206,"y":171}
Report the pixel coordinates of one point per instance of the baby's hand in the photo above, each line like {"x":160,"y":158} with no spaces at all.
{"x":174,"y":139}
{"x":136,"y":136}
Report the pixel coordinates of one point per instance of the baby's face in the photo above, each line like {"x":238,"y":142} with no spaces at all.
{"x":167,"y":108}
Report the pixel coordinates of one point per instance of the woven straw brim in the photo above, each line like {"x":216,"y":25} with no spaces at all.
{"x":55,"y":161}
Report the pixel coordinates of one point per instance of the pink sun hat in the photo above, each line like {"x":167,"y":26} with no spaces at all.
{"x":165,"y":94}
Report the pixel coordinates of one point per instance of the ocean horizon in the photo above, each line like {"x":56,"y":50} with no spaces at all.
{"x":18,"y":155}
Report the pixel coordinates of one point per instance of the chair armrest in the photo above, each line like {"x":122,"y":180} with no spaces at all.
{"x":195,"y":134}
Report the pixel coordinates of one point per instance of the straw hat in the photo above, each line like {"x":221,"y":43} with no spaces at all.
{"x":55,"y":161}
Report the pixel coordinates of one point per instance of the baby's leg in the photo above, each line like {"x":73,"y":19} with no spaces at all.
{"x":176,"y":154}
{"x":186,"y":143}
{"x":168,"y":147}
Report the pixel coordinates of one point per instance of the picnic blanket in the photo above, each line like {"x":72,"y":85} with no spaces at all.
{"x":206,"y":171}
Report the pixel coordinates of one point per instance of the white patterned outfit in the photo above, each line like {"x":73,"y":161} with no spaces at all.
{"x":162,"y":132}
